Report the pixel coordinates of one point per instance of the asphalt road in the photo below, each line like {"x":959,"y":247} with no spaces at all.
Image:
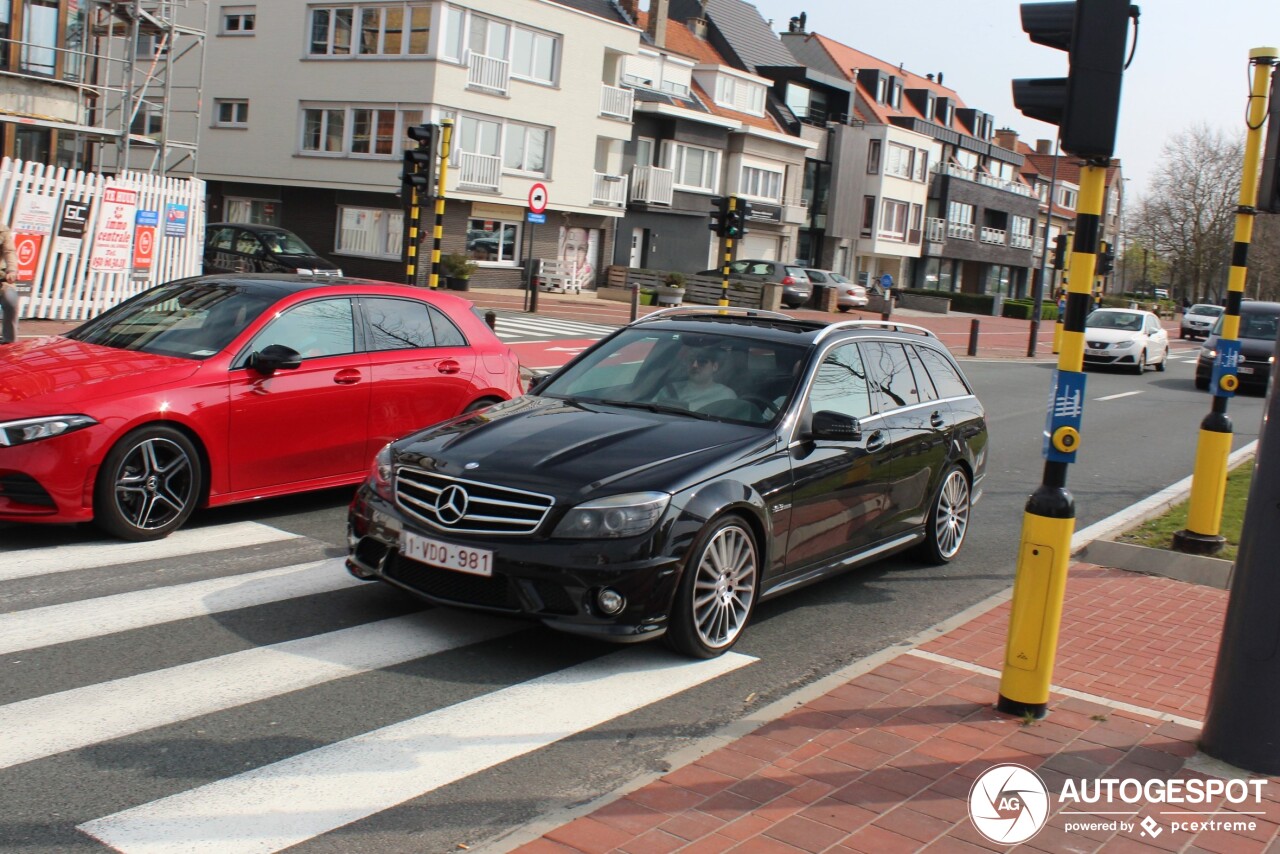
{"x":1133,"y":445}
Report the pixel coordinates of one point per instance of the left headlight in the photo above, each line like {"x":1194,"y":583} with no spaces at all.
{"x":380,"y":474}
{"x":615,"y":516}
{"x":34,"y":429}
{"x":1123,"y":345}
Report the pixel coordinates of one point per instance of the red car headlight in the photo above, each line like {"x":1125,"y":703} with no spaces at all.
{"x":25,"y":430}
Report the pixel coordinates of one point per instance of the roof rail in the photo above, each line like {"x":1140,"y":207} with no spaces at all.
{"x":885,"y":324}
{"x":741,"y":311}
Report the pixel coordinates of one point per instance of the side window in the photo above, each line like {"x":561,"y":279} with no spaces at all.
{"x":841,"y":384}
{"x":318,"y":328}
{"x":944,"y":374}
{"x":889,"y":375}
{"x":447,"y":334}
{"x":924,"y":386}
{"x":247,"y":243}
{"x":816,"y":277}
{"x":398,"y":324}
{"x":761,"y":269}
{"x":221,"y":239}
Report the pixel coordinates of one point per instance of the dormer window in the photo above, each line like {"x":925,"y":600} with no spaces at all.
{"x":734,"y":93}
{"x":882,"y":90}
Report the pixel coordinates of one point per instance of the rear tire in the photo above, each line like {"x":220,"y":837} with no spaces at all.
{"x":1164,"y":362}
{"x":476,"y":405}
{"x":148,"y":485}
{"x":1202,"y":383}
{"x":844,"y":309}
{"x":717,"y":591}
{"x":948,"y":521}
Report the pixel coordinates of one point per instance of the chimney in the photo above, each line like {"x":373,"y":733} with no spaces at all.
{"x":930,"y":76}
{"x":698,"y":26}
{"x":632,"y":8}
{"x":1044,"y":146}
{"x":658,"y":21}
{"x":939,"y":78}
{"x":1007,"y":138}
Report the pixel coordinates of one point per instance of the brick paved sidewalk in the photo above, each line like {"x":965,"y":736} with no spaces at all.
{"x":886,"y":761}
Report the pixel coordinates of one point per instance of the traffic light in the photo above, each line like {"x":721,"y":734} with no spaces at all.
{"x":719,"y":215}
{"x":420,"y":163}
{"x":1060,"y":252}
{"x":1085,"y":104}
{"x":1106,"y":259}
{"x":737,"y":223}
{"x":1269,"y":188}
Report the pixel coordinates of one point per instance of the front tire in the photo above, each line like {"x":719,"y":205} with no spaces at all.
{"x":1142,"y":364}
{"x":948,"y":519}
{"x":148,"y":485}
{"x":1163,"y":363}
{"x":718,"y":590}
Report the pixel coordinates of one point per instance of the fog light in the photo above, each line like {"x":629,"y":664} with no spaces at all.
{"x":610,"y":601}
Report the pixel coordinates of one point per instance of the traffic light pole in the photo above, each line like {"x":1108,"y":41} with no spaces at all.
{"x":731,"y":212}
{"x":437,"y":233}
{"x":1038,"y":301}
{"x":1209,"y":479}
{"x":1048,"y":522}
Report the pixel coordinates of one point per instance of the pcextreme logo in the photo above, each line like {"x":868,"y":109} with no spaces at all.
{"x":1009,"y":804}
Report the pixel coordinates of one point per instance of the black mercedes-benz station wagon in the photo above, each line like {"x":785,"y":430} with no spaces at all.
{"x":692,"y":464}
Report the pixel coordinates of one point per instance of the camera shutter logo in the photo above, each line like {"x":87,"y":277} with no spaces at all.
{"x":1009,"y":804}
{"x":451,"y":506}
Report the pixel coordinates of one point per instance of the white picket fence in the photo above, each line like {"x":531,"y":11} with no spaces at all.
{"x":65,"y":288}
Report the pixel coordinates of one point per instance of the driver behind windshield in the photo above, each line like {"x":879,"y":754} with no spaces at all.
{"x":701,"y":388}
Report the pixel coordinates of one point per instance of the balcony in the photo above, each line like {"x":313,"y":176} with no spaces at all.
{"x":478,"y":171}
{"x":935,"y":229}
{"x":487,"y":73}
{"x":960,"y":230}
{"x":994,"y":235}
{"x":1021,"y":241}
{"x":652,"y":185}
{"x":616,"y":103}
{"x":795,"y":211}
{"x":960,"y":172}
{"x":609,"y":190}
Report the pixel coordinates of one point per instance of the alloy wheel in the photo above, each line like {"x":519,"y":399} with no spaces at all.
{"x":952,"y":519}
{"x":724,"y":587}
{"x":154,"y":484}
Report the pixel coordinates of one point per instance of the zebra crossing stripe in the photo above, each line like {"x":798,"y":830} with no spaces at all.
{"x":89,"y":618}
{"x":291,"y":801}
{"x":46,"y":561}
{"x":548,"y":326}
{"x":83,"y":716}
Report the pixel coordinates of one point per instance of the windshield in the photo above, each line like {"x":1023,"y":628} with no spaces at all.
{"x":283,"y":242}
{"x":695,"y":374}
{"x":841,"y":279}
{"x":1201,"y":308}
{"x":1128,"y":321}
{"x":184,"y":319}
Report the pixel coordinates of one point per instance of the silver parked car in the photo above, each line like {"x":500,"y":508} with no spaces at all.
{"x":852,"y":295}
{"x":795,"y":282}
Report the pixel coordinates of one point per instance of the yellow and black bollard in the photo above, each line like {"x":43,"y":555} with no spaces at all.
{"x":1209,"y":478}
{"x":437,"y":233}
{"x":730,"y":217}
{"x":1048,"y":522}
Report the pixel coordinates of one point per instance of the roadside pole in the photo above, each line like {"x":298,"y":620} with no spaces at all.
{"x":1209,"y":478}
{"x":1038,"y":299}
{"x":731,"y":213}
{"x":446,"y":133}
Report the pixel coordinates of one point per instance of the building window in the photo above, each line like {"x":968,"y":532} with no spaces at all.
{"x":922,"y":165}
{"x":231,"y":113}
{"x":373,"y":131}
{"x":239,"y":20}
{"x":385,"y":29}
{"x":761,"y":183}
{"x":893,"y":219}
{"x":873,"y":157}
{"x":695,"y":168}
{"x":1067,"y":198}
{"x":525,"y":149}
{"x":371,"y":232}
{"x":491,"y":241}
{"x":958,"y":212}
{"x":149,"y":120}
{"x":868,"y":215}
{"x":358,"y":131}
{"x":323,"y":131}
{"x":898,"y":160}
{"x":257,"y":211}
{"x":39,"y":37}
{"x":533,"y":56}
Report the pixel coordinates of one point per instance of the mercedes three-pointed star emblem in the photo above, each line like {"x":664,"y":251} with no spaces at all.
{"x":451,"y":505}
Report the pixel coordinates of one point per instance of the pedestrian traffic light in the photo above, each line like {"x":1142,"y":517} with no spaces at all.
{"x":1106,"y":259}
{"x":1060,"y":252}
{"x":1269,"y":187}
{"x":719,"y":215}
{"x":738,"y":218}
{"x":1086,"y":103}
{"x":420,"y":163}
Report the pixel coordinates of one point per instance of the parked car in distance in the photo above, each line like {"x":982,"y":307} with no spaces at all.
{"x":238,"y":247}
{"x":1197,"y":321}
{"x":796,"y":290}
{"x":213,"y":390}
{"x":679,"y":472}
{"x":851,"y":294}
{"x":1259,"y":322}
{"x":1124,"y":337}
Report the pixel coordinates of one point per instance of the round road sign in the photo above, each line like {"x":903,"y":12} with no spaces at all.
{"x":538,"y":198}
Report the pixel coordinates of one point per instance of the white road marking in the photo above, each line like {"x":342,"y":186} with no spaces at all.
{"x":67,"y":720}
{"x":291,"y":801}
{"x":89,"y":618}
{"x":48,"y":560}
{"x":1117,"y":396}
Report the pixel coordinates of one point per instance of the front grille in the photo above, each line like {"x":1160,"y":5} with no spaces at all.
{"x":492,"y":591}
{"x":467,"y":506}
{"x":24,"y":489}
{"x":1098,"y":345}
{"x":554,"y":598}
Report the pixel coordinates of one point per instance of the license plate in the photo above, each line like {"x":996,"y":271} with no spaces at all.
{"x":1244,"y":369}
{"x":1090,"y":351}
{"x":446,"y":555}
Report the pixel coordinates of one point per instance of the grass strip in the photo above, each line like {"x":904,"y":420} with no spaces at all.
{"x":1158,"y":533}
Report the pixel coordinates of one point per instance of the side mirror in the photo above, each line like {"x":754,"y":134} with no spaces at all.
{"x":835,"y":426}
{"x":275,"y":357}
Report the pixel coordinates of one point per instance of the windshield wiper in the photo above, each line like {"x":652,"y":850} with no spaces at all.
{"x":648,"y":407}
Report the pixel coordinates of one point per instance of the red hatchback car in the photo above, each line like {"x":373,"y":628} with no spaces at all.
{"x":209,"y":391}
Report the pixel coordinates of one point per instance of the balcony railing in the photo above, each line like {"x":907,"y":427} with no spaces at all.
{"x":616,"y":102}
{"x":488,"y":73}
{"x":652,"y":185}
{"x":982,"y":178}
{"x":994,"y":235}
{"x":935,"y":229}
{"x":1038,"y":248}
{"x":609,"y":190}
{"x":481,"y":171}
{"x":1021,"y":241}
{"x":961,"y":230}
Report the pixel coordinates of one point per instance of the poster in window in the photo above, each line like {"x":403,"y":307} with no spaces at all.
{"x":579,"y":251}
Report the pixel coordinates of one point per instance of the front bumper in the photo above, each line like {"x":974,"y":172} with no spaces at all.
{"x":552,"y":581}
{"x":50,"y":480}
{"x":1117,"y":357}
{"x":1252,"y":375}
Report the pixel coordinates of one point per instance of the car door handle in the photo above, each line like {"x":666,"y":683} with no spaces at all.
{"x":876,"y":440}
{"x":936,"y":420}
{"x":347,"y":376}
{"x":448,"y":366}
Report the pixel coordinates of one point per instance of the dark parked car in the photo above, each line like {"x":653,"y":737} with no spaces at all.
{"x":1258,"y":324}
{"x":796,"y":288}
{"x":236,"y":247}
{"x":679,"y":472}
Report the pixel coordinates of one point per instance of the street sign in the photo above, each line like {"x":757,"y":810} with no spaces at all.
{"x":886,"y":281}
{"x":536,"y":217}
{"x":538,"y":198}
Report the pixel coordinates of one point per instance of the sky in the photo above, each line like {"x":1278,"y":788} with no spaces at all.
{"x":1191,"y":66}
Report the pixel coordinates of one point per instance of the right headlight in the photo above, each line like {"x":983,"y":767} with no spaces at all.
{"x":34,"y":429}
{"x":616,"y":516}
